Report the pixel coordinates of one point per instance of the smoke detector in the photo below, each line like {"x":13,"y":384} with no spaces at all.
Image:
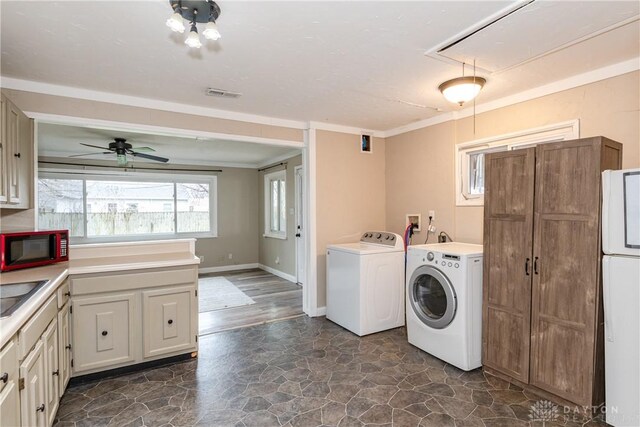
{"x":221,"y":93}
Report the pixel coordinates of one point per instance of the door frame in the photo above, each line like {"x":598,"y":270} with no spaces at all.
{"x":299,"y":222}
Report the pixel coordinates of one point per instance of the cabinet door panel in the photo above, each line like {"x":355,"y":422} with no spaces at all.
{"x":508,"y":233}
{"x":103,"y":331}
{"x":3,"y":151}
{"x":10,"y":405}
{"x":32,"y":396}
{"x":169,"y":320}
{"x":51,"y":371}
{"x":64,"y":349}
{"x":13,"y":145}
{"x":566,"y":276}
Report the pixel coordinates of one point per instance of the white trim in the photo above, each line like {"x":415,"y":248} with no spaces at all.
{"x":278,"y":273}
{"x":222,"y":268}
{"x":298,"y":205}
{"x":331,"y":127}
{"x":135,"y":101}
{"x":157,"y":130}
{"x":593,"y":76}
{"x":321,"y":311}
{"x":310,"y":288}
{"x":279,"y":175}
{"x":551,"y":133}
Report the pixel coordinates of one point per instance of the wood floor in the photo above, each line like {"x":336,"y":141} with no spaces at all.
{"x":275,"y":298}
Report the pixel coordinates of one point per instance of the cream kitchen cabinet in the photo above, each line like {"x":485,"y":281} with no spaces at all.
{"x":9,"y":398}
{"x":51,"y":371}
{"x":64,"y":347}
{"x":133,"y":316}
{"x":32,"y":396}
{"x":103,"y":331}
{"x":16,"y":157}
{"x":168,"y":320}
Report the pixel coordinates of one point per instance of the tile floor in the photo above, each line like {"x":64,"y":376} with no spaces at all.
{"x":304,"y":372}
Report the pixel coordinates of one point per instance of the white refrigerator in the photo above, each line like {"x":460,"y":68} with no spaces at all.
{"x":621,"y":282}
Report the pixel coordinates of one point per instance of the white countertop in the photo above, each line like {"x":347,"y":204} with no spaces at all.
{"x":57,"y":273}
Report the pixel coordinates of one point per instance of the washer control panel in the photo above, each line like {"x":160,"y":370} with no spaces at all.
{"x":443,"y":260}
{"x":380,"y":238}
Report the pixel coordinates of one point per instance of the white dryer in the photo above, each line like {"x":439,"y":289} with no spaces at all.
{"x":365,"y":283}
{"x":444,"y":302}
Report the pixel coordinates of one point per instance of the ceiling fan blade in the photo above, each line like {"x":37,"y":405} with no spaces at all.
{"x":94,"y":146}
{"x":149,"y":156}
{"x":145,"y":149}
{"x":90,"y":154}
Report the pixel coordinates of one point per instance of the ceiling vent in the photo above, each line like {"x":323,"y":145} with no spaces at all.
{"x":221,"y":93}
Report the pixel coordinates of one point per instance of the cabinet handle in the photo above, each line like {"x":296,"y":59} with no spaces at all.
{"x":4,"y":377}
{"x":68,"y":347}
{"x":104,"y":333}
{"x":170,"y":321}
{"x":67,"y":294}
{"x":40,"y":408}
{"x":535,"y":265}
{"x":16,"y":155}
{"x":526,"y":266}
{"x":56,"y":373}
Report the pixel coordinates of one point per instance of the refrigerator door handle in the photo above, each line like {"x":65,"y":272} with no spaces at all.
{"x":608,"y":319}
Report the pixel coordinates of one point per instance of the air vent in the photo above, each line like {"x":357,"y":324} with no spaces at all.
{"x":221,"y":93}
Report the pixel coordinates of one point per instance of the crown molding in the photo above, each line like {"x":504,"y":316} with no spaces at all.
{"x":331,"y":127}
{"x":135,"y":101}
{"x":593,"y":76}
{"x":277,"y":159}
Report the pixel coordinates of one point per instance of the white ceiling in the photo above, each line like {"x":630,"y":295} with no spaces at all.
{"x":358,"y":63}
{"x":62,"y":141}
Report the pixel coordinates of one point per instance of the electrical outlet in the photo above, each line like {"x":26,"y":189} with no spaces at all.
{"x":230,"y":256}
{"x":432,"y":214}
{"x":277,"y":260}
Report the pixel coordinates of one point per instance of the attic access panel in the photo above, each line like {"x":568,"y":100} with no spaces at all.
{"x":536,"y":29}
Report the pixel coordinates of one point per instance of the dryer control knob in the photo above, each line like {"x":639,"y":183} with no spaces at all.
{"x":430,"y":256}
{"x":378,"y":236}
{"x":387,"y":238}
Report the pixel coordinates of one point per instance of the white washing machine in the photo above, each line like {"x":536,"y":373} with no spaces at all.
{"x":365,"y":283}
{"x":444,"y":302}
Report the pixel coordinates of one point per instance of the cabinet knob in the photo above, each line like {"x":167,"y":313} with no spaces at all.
{"x":4,"y":377}
{"x":56,"y":373}
{"x":40,"y":408}
{"x":170,"y":321}
{"x":17,"y":155}
{"x":68,"y":347}
{"x":104,"y":333}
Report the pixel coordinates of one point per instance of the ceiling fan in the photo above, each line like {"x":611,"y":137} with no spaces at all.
{"x":121,"y":148}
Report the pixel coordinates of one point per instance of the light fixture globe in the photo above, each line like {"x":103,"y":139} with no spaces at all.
{"x":462,"y":89}
{"x":175,"y":23}
{"x":211,"y":31}
{"x":193,"y":40}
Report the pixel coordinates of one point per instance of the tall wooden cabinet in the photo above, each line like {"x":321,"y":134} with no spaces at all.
{"x":542,"y":302}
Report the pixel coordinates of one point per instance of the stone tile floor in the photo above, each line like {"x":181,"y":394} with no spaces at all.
{"x":304,"y":372}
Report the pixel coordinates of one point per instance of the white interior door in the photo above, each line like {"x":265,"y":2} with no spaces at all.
{"x":300,"y":236}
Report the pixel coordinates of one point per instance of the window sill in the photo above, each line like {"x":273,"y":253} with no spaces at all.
{"x":275,"y":236}
{"x":140,"y":238}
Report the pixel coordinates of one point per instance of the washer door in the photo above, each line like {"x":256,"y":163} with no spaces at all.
{"x":432,"y":297}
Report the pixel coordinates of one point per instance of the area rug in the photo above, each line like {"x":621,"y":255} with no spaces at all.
{"x":217,"y":293}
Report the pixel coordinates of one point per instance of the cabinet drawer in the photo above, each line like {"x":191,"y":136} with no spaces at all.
{"x":8,"y":364}
{"x":169,"y":320}
{"x":126,"y":281}
{"x":63,"y":294}
{"x":31,"y":332}
{"x":103,"y":331}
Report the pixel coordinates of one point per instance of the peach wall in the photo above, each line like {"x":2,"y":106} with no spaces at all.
{"x":350,"y":194}
{"x":420,"y":164}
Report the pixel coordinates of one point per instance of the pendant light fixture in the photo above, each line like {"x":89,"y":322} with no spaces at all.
{"x":195,"y":12}
{"x":462,"y":89}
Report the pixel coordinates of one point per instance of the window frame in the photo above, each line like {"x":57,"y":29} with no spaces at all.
{"x":84,"y":176}
{"x":528,"y":138}
{"x":268,"y":177}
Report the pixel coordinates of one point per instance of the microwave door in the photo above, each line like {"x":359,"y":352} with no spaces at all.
{"x":27,"y":250}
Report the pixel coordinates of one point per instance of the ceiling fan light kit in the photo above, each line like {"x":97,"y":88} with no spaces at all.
{"x":195,"y":12}
{"x":121,"y":148}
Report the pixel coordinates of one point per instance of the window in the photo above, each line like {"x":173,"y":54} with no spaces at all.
{"x":275,"y":205}
{"x":127,"y":207}
{"x":470,"y":156}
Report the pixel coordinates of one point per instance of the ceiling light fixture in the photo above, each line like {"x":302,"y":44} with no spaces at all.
{"x":195,"y":12}
{"x":462,"y":89}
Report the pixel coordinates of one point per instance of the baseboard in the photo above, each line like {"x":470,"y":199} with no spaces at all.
{"x":234,"y":267}
{"x":278,"y":273}
{"x":321,"y":311}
